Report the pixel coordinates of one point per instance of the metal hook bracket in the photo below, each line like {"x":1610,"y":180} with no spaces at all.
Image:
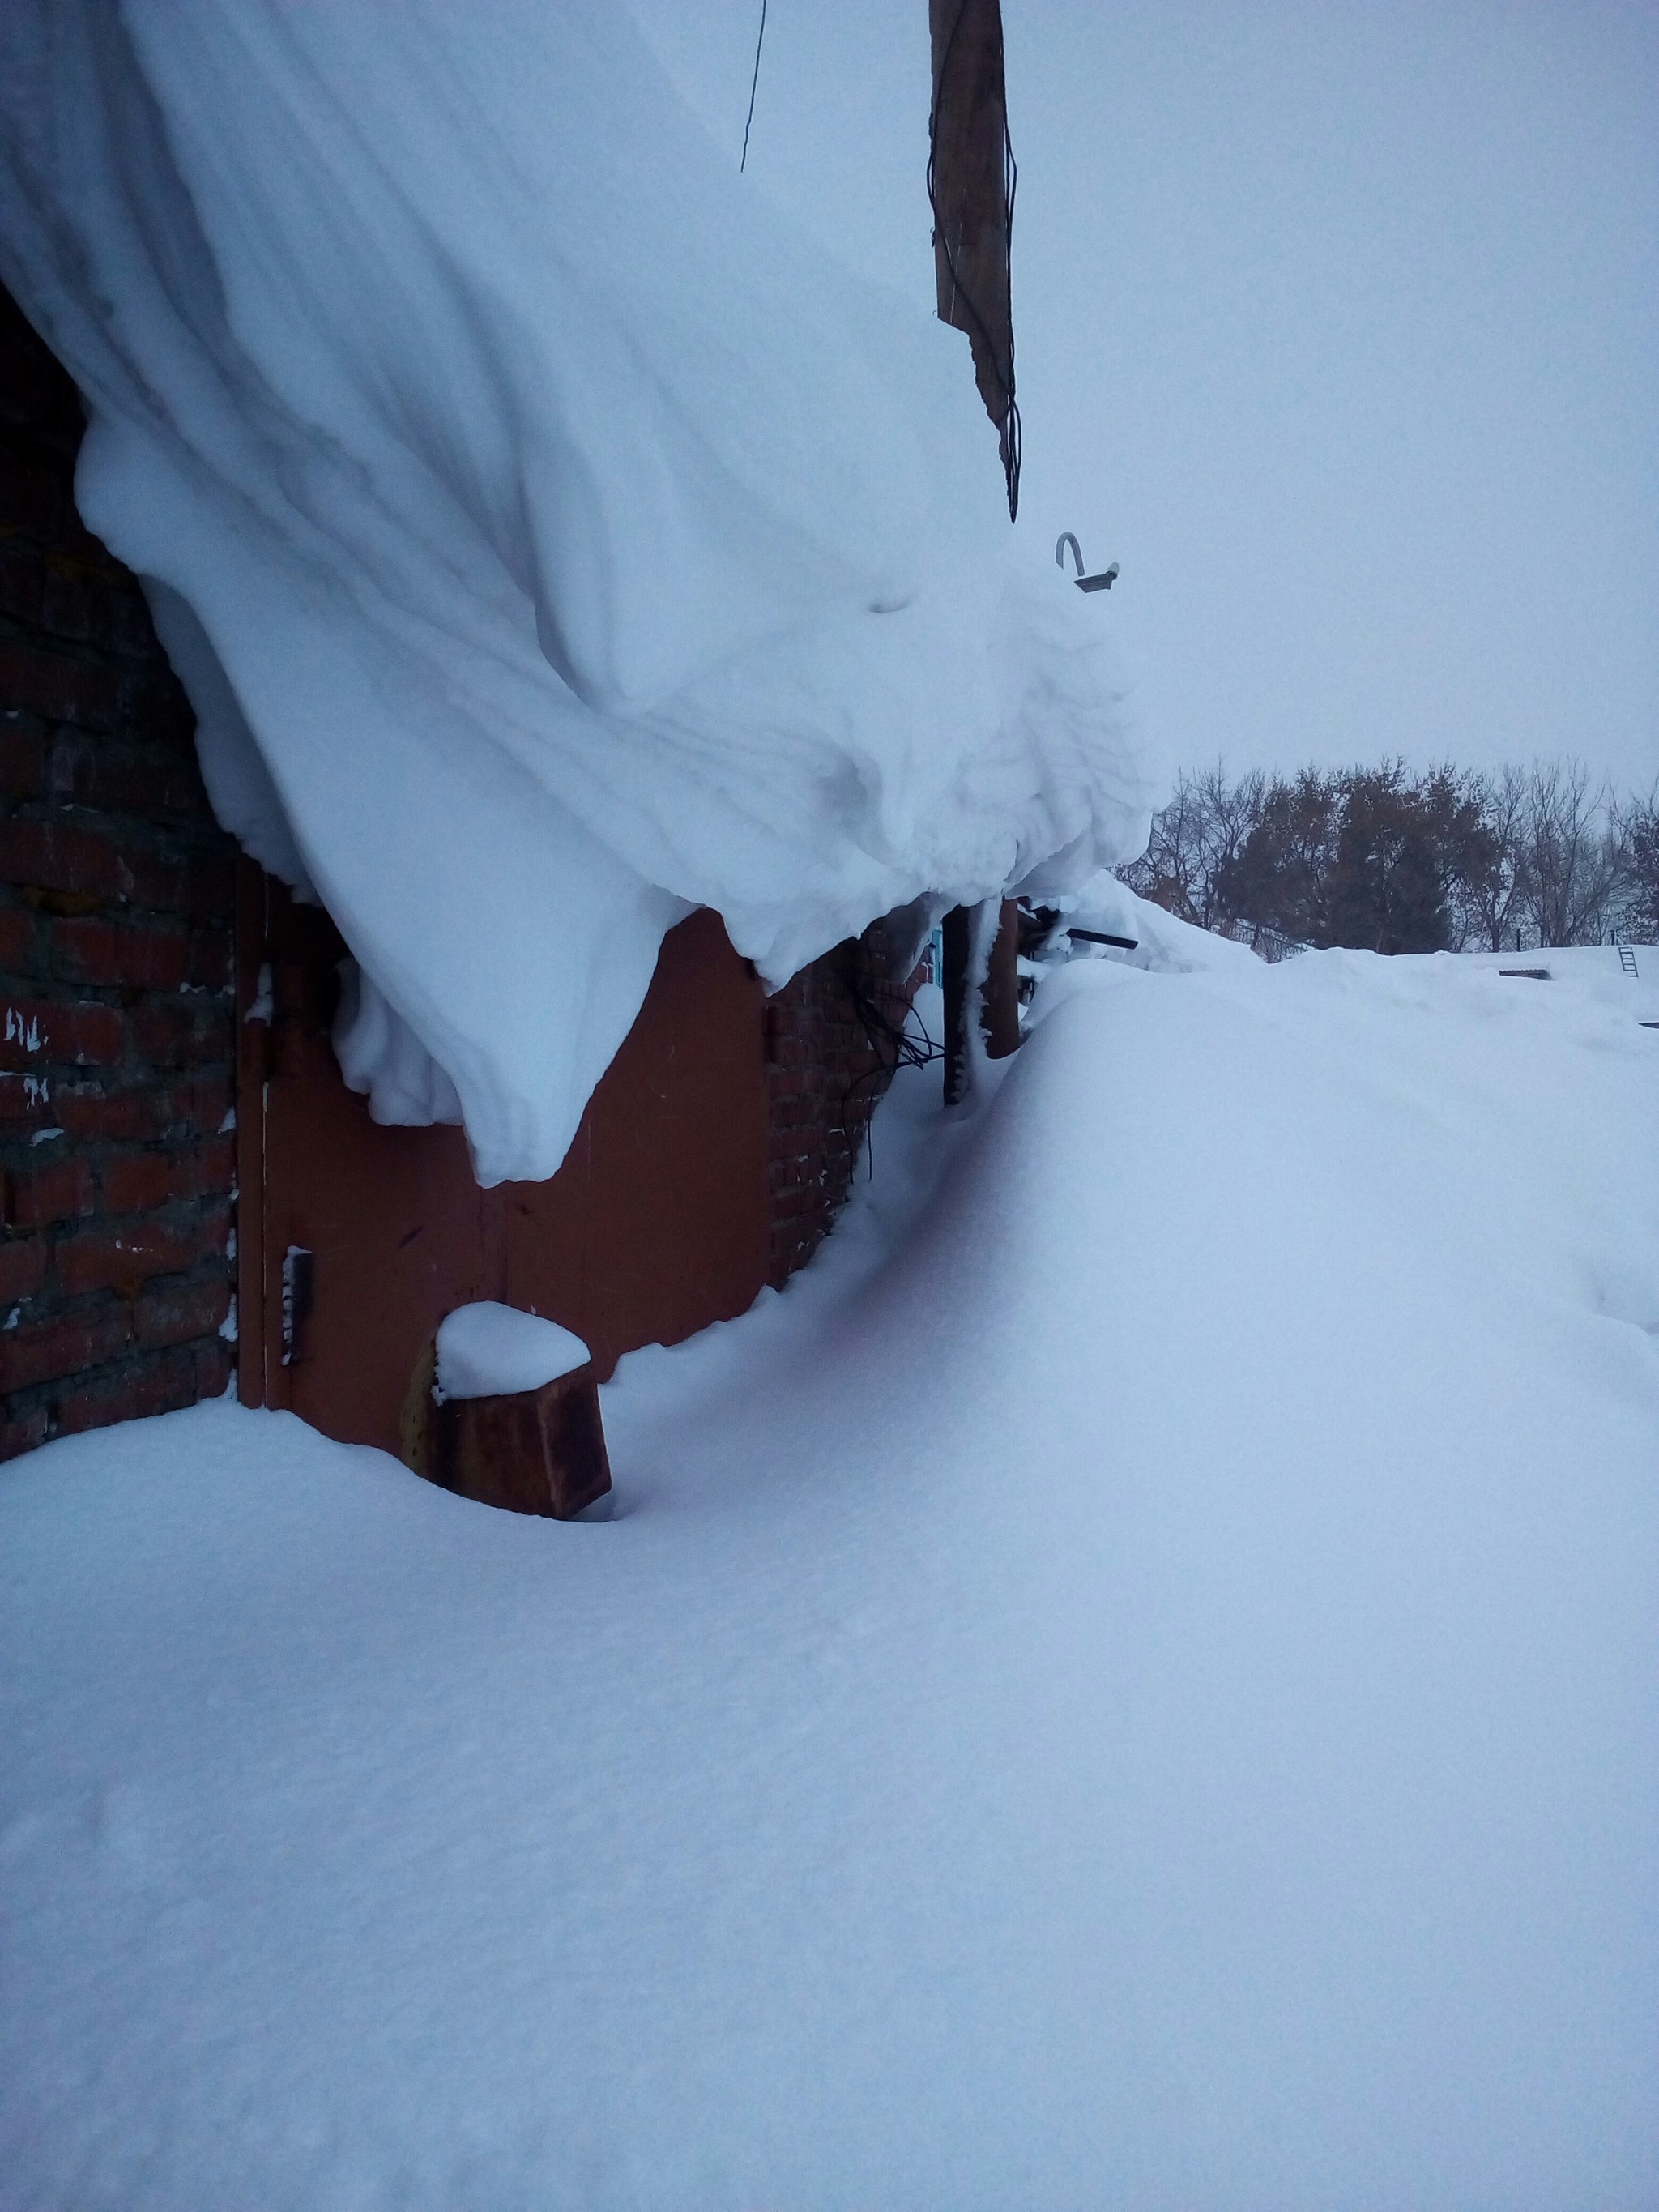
{"x":1103,"y":582}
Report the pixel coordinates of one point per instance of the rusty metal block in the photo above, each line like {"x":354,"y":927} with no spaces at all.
{"x":533,"y":1451}
{"x":529,"y":1451}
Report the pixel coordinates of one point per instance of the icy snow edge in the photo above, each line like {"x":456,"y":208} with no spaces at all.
{"x":551,"y":540}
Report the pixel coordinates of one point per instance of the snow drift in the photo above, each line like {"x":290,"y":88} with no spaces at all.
{"x":1130,"y":1686}
{"x":549,"y":539}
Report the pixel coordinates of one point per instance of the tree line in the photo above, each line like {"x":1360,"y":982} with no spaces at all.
{"x":1444,"y":859}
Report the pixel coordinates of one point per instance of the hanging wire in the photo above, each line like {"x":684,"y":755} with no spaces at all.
{"x":1010,"y":426}
{"x":753,"y":82}
{"x":893,"y":1044}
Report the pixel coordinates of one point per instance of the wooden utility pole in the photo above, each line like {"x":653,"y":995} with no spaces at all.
{"x":970,"y":185}
{"x":979,"y":942}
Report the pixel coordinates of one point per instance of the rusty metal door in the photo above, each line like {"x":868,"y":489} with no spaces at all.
{"x":354,"y":1240}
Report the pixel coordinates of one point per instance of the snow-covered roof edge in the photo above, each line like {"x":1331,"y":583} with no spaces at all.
{"x":550,"y":539}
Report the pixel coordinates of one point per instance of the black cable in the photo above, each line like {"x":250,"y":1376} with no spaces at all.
{"x":891,"y":1042}
{"x":753,"y":82}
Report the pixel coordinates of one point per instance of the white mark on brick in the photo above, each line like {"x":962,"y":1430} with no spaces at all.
{"x":41,"y":1136}
{"x":27,"y":1034}
{"x":37,"y":1091}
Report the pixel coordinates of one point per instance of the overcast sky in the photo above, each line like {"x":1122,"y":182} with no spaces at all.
{"x":1337,"y":326}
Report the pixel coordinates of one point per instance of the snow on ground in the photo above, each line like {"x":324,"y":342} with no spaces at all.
{"x":1130,"y":1685}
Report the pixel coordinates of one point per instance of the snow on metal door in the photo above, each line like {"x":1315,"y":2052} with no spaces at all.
{"x":354,"y":1240}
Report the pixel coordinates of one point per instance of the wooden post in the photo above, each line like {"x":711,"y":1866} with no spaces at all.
{"x":998,"y":1012}
{"x":995,"y":967}
{"x":970,"y":185}
{"x":956,"y":932}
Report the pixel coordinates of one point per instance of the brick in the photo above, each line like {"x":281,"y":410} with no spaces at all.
{"x":57,"y":688}
{"x":23,"y":1434}
{"x":212,"y":953}
{"x":209,"y":891}
{"x":93,"y":951}
{"x":54,"y":1190}
{"x":85,"y":1111}
{"x":94,"y":603}
{"x":22,"y":1268}
{"x":89,"y":867}
{"x":119,"y":955}
{"x":179,"y":1313}
{"x":141,"y":1115}
{"x":123,"y":1259}
{"x":22,"y":583}
{"x":208,"y":1167}
{"x":161,"y":1385}
{"x":205,"y":1100}
{"x":26,"y":1098}
{"x":71,"y":598}
{"x":34,"y":496}
{"x":175,"y":1032}
{"x":155,"y":702}
{"x":214,"y":1362}
{"x":156,"y":782}
{"x":63,"y":856}
{"x":143,"y":1182}
{"x":22,"y":764}
{"x":68,"y":1344}
{"x":16,"y":939}
{"x":36,"y":1032}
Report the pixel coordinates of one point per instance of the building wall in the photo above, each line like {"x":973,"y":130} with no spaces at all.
{"x":355,"y":1240}
{"x":730,"y":1127}
{"x":116,"y":897}
{"x":829,"y":1063}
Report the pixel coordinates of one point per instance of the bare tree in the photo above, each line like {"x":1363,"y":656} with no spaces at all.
{"x":1490,"y":899}
{"x":1569,"y":855}
{"x":1194,"y":843}
{"x":1399,"y":861}
{"x":1636,"y":827}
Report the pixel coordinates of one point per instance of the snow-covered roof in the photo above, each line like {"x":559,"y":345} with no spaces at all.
{"x":552,"y":540}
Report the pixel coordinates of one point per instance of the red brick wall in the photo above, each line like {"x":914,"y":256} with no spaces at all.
{"x":826,"y":1073}
{"x":116,"y":1015}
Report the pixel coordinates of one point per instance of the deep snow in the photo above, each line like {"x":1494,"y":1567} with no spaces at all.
{"x":1130,"y":1685}
{"x":550,"y":538}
